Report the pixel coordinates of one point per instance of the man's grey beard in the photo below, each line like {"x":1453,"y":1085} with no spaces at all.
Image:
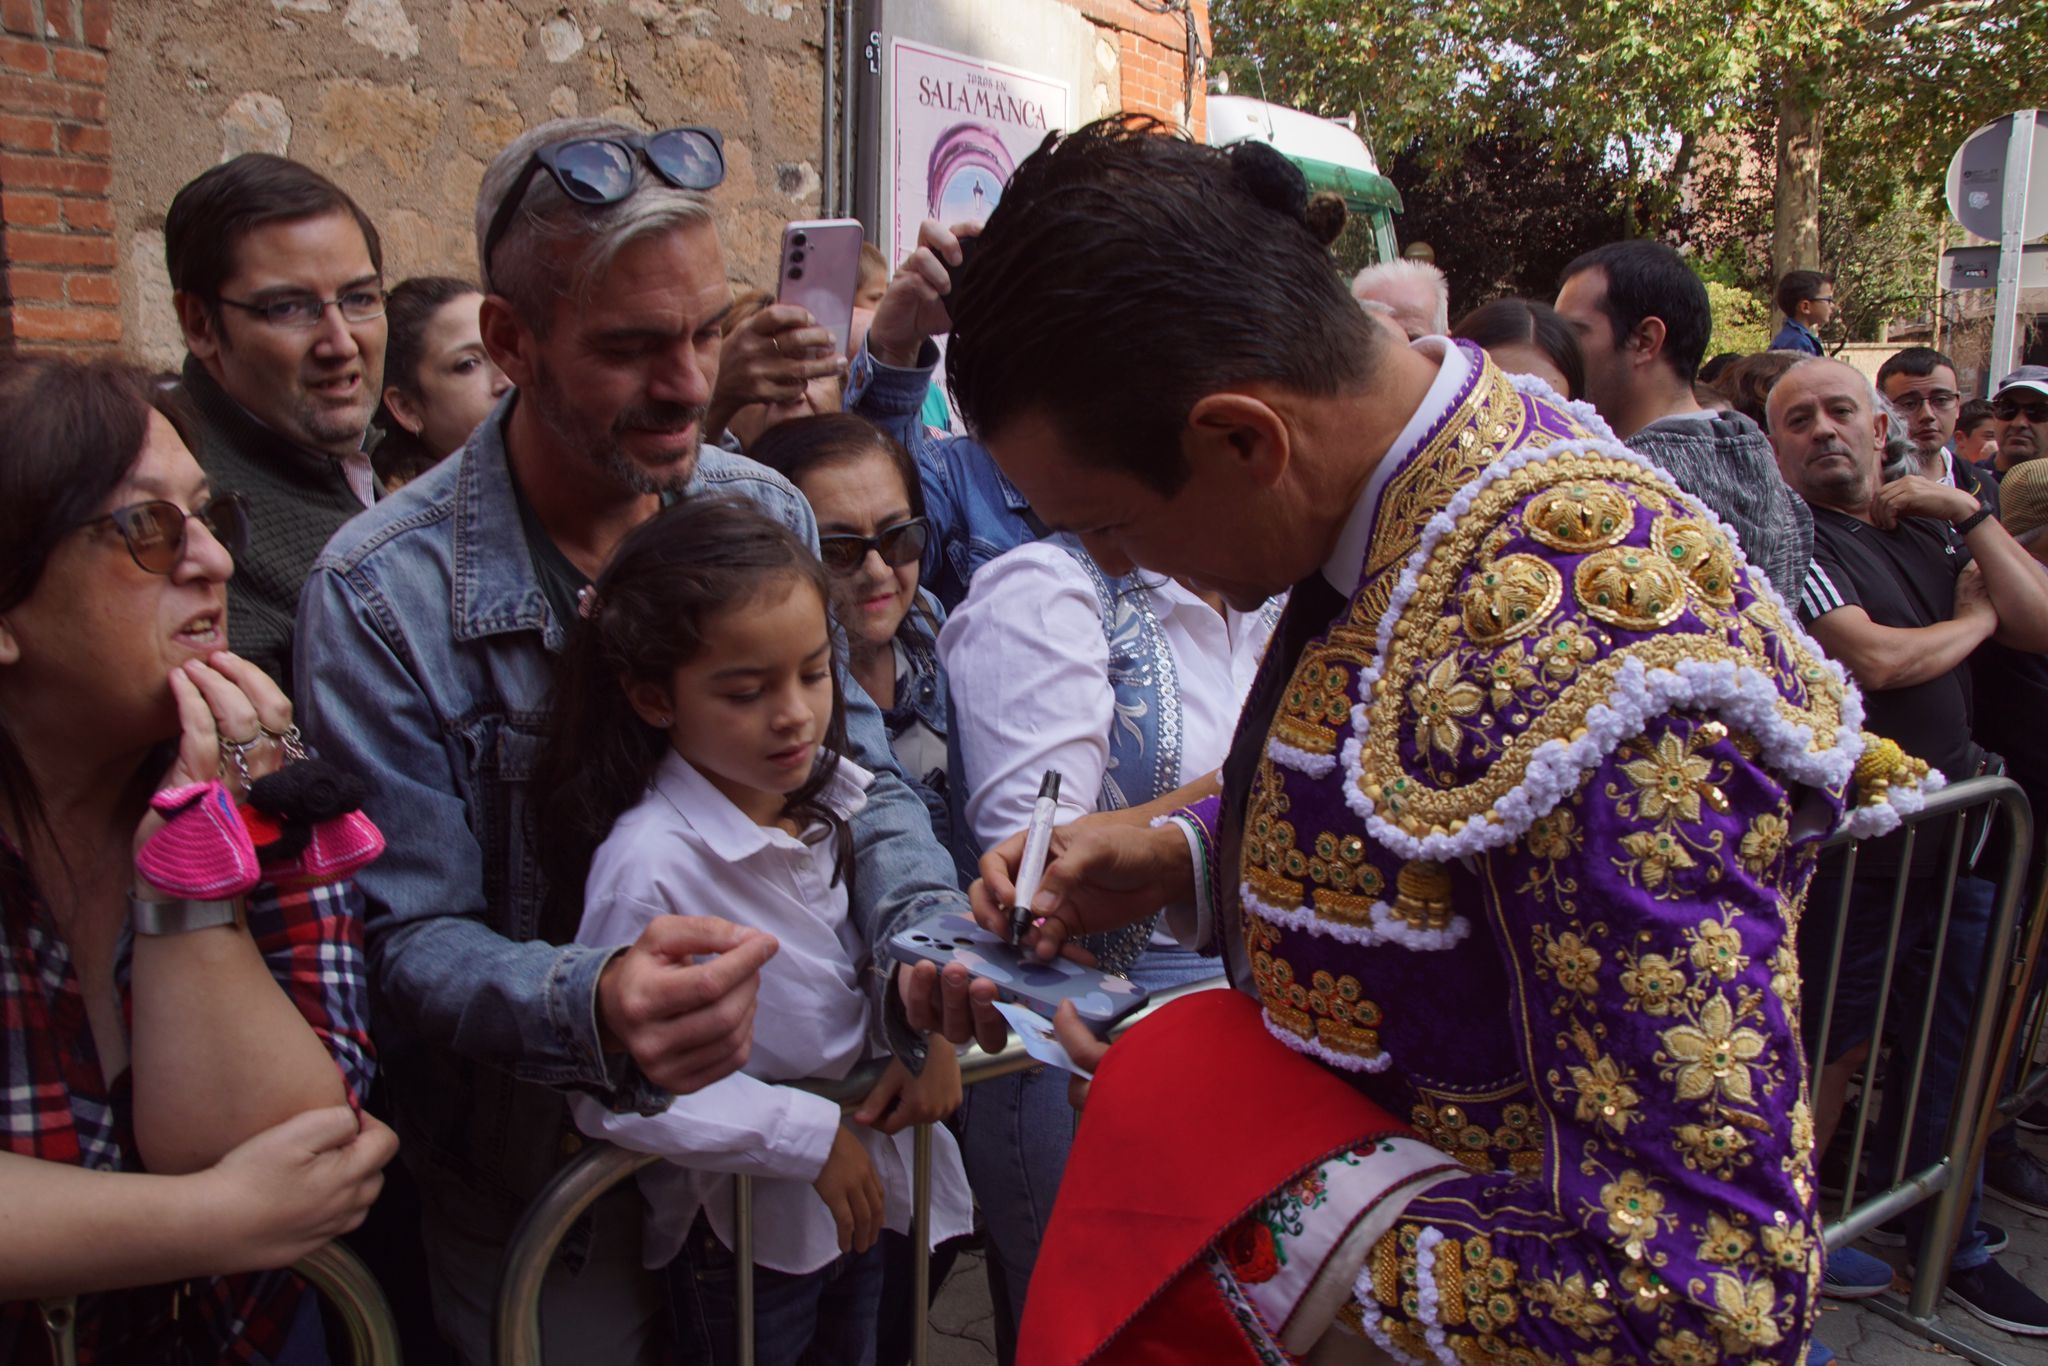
{"x":606,"y":453}
{"x":635,"y":477}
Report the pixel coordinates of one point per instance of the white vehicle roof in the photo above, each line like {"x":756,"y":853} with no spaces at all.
{"x":1234,"y":118}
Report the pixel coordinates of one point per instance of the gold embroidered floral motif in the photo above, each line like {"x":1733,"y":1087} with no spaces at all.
{"x":1442,"y":700}
{"x":1634,"y":1211}
{"x":1724,"y":1244}
{"x":1345,"y":1020}
{"x":1789,"y":1245}
{"x":1509,"y":597}
{"x":1507,"y":675}
{"x":1713,"y":1056}
{"x":1578,"y":517}
{"x":1717,"y":948}
{"x":1452,"y":1130}
{"x":1763,"y":842}
{"x":1653,"y":985}
{"x":1565,"y":649}
{"x":1572,"y":1303}
{"x":1669,"y":779}
{"x":1629,"y":588}
{"x":1576,"y":963}
{"x":1703,"y":556}
{"x":1554,"y":835}
{"x":1604,"y":1098}
{"x":1711,"y":1149}
{"x":1743,"y":1313}
{"x":1686,"y":1348}
{"x":1656,"y":855}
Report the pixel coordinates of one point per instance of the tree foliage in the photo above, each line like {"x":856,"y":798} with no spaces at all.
{"x":1641,"y":86}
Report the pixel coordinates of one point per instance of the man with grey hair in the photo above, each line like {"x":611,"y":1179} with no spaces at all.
{"x":430,"y":629}
{"x":1414,"y":293}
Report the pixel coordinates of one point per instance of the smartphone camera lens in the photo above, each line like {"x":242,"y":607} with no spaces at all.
{"x":798,"y":239}
{"x":796,"y":272}
{"x":796,"y":256}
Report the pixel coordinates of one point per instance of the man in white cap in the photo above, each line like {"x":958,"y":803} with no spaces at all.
{"x":2020,"y":407}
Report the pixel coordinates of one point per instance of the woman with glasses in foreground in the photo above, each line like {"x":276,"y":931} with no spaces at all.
{"x":182,"y":1052}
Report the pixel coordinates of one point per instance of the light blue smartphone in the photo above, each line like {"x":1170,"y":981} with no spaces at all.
{"x":1100,"y":998}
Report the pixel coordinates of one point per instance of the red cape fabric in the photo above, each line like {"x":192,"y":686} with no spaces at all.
{"x":1196,"y":1115}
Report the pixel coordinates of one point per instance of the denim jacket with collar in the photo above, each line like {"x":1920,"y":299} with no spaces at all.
{"x":976,"y":513}
{"x":426,"y":667}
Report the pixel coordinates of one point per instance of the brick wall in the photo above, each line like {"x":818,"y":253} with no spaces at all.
{"x":402,"y":102}
{"x":57,"y":285}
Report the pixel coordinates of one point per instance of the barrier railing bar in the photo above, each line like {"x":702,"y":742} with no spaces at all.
{"x":1917,"y":1072}
{"x":1891,"y":958}
{"x":1827,"y":999}
{"x":1974,"y":1081}
{"x":920,"y":1242}
{"x":515,"y":1327}
{"x":344,"y":1282}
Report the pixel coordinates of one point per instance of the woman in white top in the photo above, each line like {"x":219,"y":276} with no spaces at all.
{"x":1130,"y":688}
{"x":694,"y":769}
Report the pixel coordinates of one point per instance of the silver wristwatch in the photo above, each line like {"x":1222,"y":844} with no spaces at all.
{"x":178,"y":917}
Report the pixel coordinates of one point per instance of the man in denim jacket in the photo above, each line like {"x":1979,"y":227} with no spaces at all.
{"x":428,"y":630}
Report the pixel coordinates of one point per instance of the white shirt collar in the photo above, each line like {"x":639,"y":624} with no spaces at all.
{"x":728,"y":831}
{"x":1347,"y":560}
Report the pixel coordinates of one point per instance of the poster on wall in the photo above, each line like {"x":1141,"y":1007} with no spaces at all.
{"x":958,"y":126}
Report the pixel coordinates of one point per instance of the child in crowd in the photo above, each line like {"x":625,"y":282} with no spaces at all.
{"x":695,"y":769}
{"x":872,"y":534}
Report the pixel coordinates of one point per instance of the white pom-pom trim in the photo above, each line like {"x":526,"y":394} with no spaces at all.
{"x":1300,"y":760}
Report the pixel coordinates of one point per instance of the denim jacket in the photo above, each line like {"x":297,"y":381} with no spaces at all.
{"x":976,"y":513}
{"x":426,"y":666}
{"x":921,"y":698}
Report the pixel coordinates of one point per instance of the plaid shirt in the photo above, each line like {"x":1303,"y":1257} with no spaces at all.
{"x":56,"y":1105}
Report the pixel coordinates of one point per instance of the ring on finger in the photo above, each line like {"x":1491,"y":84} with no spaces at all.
{"x":236,"y":754}
{"x":776,"y":342}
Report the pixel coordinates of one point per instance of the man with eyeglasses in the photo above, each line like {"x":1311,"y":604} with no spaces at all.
{"x":431,"y":626}
{"x":2020,"y":407}
{"x":1807,"y":299}
{"x":278,"y":279}
{"x":1920,"y":384}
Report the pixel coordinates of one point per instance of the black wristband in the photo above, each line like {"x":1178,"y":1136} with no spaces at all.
{"x":1969,"y":523}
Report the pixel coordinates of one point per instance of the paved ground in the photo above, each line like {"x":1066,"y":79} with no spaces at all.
{"x":1867,"y":1339}
{"x":962,"y":1332}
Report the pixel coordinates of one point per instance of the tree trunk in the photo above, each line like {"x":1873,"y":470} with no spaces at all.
{"x":1795,"y":225}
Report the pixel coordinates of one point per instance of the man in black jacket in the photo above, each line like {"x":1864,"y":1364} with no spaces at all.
{"x":279,"y":280}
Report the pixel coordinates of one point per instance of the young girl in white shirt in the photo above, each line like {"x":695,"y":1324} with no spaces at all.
{"x":695,"y":769}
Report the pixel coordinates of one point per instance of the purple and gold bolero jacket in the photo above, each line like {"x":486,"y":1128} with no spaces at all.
{"x":1524,"y":859}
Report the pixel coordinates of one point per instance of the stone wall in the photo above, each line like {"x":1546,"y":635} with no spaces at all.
{"x":403,"y":102}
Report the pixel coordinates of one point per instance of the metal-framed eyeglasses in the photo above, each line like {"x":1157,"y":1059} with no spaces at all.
{"x":155,"y":531}
{"x":361,"y":304}
{"x":596,"y":171}
{"x":897,"y":545}
{"x":1940,"y":400}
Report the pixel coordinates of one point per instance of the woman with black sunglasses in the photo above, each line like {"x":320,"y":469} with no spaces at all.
{"x":872,"y":533}
{"x":179,"y":1054}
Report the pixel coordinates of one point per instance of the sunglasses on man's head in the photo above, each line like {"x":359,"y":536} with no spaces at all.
{"x":599,"y":170}
{"x":897,"y":545}
{"x":155,"y":531}
{"x":2006,"y":409}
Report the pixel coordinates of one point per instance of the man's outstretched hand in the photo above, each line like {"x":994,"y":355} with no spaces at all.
{"x":1100,"y":876}
{"x":685,"y":1022}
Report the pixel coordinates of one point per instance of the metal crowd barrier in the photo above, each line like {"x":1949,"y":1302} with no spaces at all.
{"x":1987,"y":1050}
{"x":1987,"y":1054}
{"x":358,"y":1303}
{"x":516,"y":1329}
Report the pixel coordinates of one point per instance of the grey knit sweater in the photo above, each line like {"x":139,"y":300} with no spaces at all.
{"x":297,"y":498}
{"x":1725,"y":461}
